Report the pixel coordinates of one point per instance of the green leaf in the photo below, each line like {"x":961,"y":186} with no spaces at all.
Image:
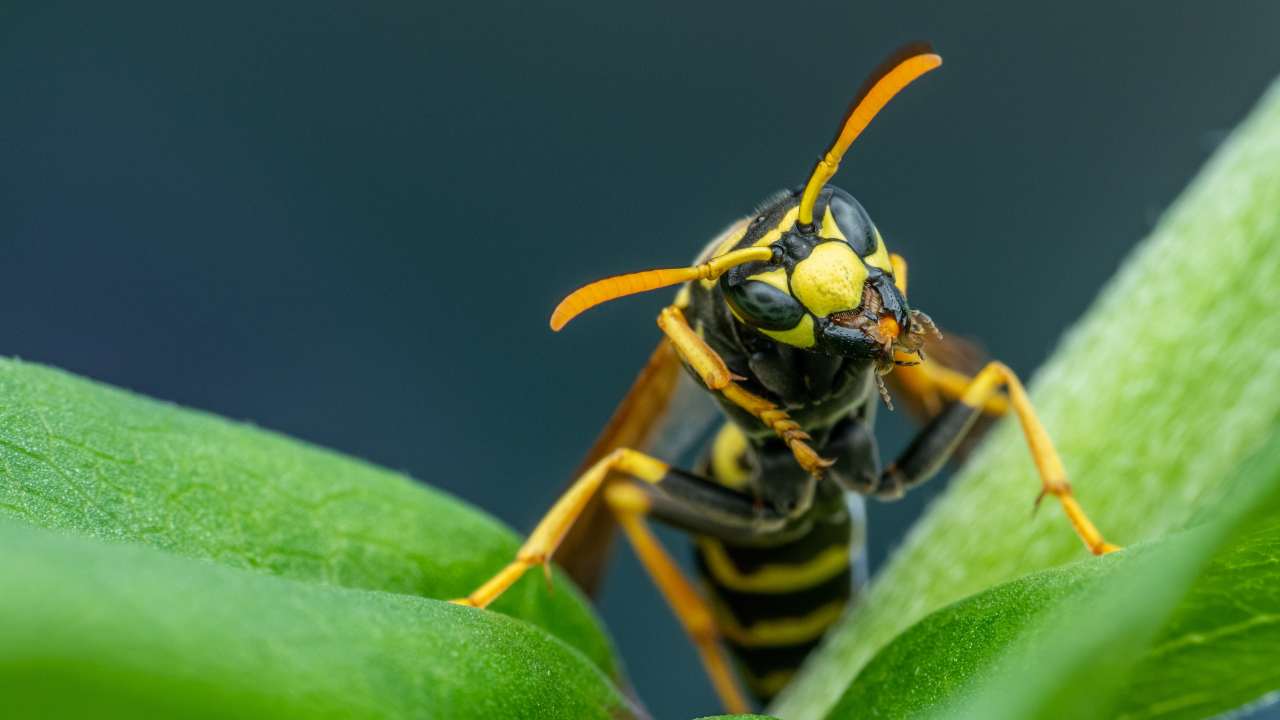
{"x":1181,"y":627}
{"x":1153,"y":399}
{"x":79,"y":456}
{"x":100,"y":629}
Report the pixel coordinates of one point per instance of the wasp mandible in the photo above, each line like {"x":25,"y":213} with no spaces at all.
{"x":791,"y":319}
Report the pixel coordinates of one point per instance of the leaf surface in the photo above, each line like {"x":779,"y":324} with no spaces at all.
{"x":1183,"y":627}
{"x":92,"y":628}
{"x":86,"y":459}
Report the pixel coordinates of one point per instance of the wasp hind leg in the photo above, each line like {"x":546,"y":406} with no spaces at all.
{"x":931,"y":448}
{"x":650,"y":487}
{"x":631,"y":505}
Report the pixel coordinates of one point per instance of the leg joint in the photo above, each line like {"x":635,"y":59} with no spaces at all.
{"x":626,"y":498}
{"x":636,"y":464}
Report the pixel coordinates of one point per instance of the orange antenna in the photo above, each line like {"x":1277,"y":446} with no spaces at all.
{"x":612,"y":288}
{"x":903,"y":67}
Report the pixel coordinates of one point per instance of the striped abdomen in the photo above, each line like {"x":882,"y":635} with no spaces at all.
{"x":773,"y":604}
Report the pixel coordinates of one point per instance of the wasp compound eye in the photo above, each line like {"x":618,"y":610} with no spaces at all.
{"x":764,"y":306}
{"x":851,"y":222}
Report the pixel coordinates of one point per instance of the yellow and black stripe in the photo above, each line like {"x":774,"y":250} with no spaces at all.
{"x":773,"y":603}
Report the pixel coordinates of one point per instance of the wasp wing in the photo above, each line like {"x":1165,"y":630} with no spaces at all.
{"x":665,"y":413}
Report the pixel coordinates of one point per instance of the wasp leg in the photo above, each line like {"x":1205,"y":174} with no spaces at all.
{"x":680,"y":499}
{"x":931,"y":448}
{"x":544,"y":539}
{"x":899,"y":265}
{"x":933,"y":382}
{"x":711,"y":368}
{"x":694,"y":350}
{"x":697,"y":505}
{"x":915,"y":381}
{"x":928,"y":380}
{"x":630,"y":504}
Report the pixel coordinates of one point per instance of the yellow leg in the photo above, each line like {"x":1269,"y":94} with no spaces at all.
{"x":915,"y":382}
{"x":546,"y":537}
{"x":952,"y":385}
{"x":1053,"y":475}
{"x":777,"y":420}
{"x":931,"y":381}
{"x":715,"y":374}
{"x":694,"y":350}
{"x":629,"y":503}
{"x":630,"y":506}
{"x":899,"y":265}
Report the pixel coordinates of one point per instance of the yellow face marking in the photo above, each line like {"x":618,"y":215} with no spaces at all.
{"x":830,"y":279}
{"x":779,"y":631}
{"x":773,"y":578}
{"x":800,"y":336}
{"x":787,"y":222}
{"x":880,"y":258}
{"x":726,"y":451}
{"x":831,"y":229}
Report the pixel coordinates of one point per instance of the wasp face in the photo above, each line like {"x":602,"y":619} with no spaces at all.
{"x":828,"y":288}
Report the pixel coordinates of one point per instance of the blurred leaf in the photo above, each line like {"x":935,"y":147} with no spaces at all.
{"x":101,"y":629}
{"x":1186,"y":626}
{"x":83,"y":457}
{"x":1154,"y":398}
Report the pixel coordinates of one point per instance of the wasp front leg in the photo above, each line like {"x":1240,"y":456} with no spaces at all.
{"x":711,"y":368}
{"x":935,"y":444}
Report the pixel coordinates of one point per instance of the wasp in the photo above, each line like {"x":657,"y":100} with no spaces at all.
{"x":791,"y":320}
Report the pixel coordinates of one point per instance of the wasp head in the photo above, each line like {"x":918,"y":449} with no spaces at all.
{"x":829,"y":287}
{"x":810,"y":270}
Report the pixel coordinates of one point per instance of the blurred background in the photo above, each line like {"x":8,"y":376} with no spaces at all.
{"x":349,"y":221}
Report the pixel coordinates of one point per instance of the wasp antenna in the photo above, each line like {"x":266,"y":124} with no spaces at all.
{"x":897,"y":72}
{"x":612,"y":288}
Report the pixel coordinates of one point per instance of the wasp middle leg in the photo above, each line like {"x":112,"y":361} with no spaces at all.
{"x":974,"y":396}
{"x":932,"y":383}
{"x":935,"y":444}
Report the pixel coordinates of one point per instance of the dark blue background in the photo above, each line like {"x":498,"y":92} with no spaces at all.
{"x":349,"y":221}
